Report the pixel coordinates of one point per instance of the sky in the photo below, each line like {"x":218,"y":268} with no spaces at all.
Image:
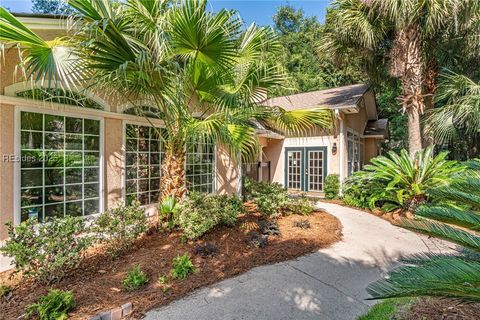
{"x":258,"y":11}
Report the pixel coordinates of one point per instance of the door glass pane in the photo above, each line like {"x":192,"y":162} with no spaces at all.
{"x":315,"y":171}
{"x":294,"y":159}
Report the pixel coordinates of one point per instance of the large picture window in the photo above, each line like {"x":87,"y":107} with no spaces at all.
{"x":60,"y":166}
{"x":200,"y":167}
{"x":143,"y":158}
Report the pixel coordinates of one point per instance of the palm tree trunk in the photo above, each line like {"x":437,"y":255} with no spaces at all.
{"x":173,"y":173}
{"x":407,"y":65}
{"x":414,"y":131}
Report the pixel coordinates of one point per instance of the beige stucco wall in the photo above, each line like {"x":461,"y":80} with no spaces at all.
{"x":228,"y":173}
{"x":114,"y":162}
{"x":7,"y":115}
{"x":371,"y":149}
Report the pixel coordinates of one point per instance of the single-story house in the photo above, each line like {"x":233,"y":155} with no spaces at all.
{"x":84,"y":153}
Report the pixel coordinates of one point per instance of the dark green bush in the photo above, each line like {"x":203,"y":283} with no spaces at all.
{"x":199,"y":212}
{"x":300,"y":205}
{"x":135,"y":279}
{"x":47,"y":251}
{"x":119,"y":227}
{"x":332,"y":186}
{"x":53,"y":306}
{"x":182,"y":267}
{"x":270,"y":198}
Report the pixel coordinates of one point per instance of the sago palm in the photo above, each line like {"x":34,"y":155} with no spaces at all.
{"x":403,"y":181}
{"x":202,"y":71}
{"x":404,"y":34}
{"x":456,"y":217}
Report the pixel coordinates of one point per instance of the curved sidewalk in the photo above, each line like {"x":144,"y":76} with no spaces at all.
{"x":328,"y":284}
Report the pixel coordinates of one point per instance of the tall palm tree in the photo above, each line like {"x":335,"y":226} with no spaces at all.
{"x":205,"y":74}
{"x":403,"y":34}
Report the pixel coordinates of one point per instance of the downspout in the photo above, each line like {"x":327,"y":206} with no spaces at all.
{"x":341,"y":145}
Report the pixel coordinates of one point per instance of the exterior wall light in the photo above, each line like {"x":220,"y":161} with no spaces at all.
{"x":334,"y":148}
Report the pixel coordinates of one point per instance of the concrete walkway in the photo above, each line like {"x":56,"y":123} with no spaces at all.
{"x":329,"y":284}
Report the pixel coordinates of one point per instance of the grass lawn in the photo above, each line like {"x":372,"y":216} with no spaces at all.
{"x":386,"y":309}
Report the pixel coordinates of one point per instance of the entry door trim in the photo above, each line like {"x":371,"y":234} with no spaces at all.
{"x":304,"y":166}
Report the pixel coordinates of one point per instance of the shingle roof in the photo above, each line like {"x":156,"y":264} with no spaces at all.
{"x":336,"y":98}
{"x":377,"y":128}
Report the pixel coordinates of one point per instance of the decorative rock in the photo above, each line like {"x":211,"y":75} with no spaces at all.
{"x":107,"y":315}
{"x":127,"y":309}
{"x":116,"y":314}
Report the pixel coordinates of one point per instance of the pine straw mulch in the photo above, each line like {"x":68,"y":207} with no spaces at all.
{"x":442,"y":309}
{"x":97,"y":284}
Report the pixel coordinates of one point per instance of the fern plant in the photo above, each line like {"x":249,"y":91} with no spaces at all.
{"x":457,"y":219}
{"x":401,"y":181}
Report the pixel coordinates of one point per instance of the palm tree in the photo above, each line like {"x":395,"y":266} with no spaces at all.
{"x":205,"y":74}
{"x":404,"y":34}
{"x":459,"y":113}
{"x":457,"y":219}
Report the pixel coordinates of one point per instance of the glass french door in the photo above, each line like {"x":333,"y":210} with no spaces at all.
{"x":305,"y":168}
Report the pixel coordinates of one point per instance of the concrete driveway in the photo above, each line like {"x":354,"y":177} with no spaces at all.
{"x":329,"y":284}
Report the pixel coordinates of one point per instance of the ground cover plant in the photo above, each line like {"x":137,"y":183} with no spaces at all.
{"x":135,"y":279}
{"x":182,"y":267}
{"x":55,"y":305}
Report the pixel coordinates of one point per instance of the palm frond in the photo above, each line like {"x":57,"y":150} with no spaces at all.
{"x":299,"y":121}
{"x":453,"y":276}
{"x":52,"y":61}
{"x":450,"y":214}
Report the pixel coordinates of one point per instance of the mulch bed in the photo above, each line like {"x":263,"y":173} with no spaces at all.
{"x":443,"y":309}
{"x":97,"y":285}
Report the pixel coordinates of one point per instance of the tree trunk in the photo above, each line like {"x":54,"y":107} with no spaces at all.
{"x":414,"y":131}
{"x":430,"y":76}
{"x":407,"y":65}
{"x":173,"y":174}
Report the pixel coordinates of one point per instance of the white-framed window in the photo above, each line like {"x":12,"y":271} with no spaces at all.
{"x":60,"y":165}
{"x":143,"y":161}
{"x":355,"y":146}
{"x":200,"y":167}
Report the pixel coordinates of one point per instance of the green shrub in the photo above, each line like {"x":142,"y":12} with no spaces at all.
{"x":4,"y":290}
{"x":119,"y":227}
{"x":270,"y":198}
{"x":200,"y":212}
{"x":47,"y":251}
{"x":332,"y":186}
{"x":53,"y":306}
{"x":182,"y":267}
{"x":135,"y":279}
{"x":301,"y":205}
